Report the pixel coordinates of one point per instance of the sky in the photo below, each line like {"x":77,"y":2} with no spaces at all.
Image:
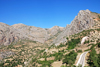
{"x":44,"y":13}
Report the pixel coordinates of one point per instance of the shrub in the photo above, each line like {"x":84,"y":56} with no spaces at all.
{"x":33,"y":60}
{"x":46,"y":63}
{"x":98,"y":44}
{"x":1,"y":64}
{"x":58,"y":56}
{"x":98,"y":16}
{"x":86,"y":42}
{"x":61,"y":45}
{"x":70,"y":58}
{"x":93,"y":59}
{"x":72,"y":43}
{"x":79,"y":51}
{"x":93,"y":45}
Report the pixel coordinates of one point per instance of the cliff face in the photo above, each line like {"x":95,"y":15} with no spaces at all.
{"x":56,"y":34}
{"x":82,"y":21}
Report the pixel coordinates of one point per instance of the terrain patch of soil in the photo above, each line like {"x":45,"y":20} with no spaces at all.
{"x":57,"y":64}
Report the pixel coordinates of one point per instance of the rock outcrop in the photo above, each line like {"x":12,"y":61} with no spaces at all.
{"x":81,"y":22}
{"x":8,"y":34}
{"x":84,"y":39}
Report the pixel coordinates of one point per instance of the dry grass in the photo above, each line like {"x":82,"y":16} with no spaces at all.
{"x":57,"y":64}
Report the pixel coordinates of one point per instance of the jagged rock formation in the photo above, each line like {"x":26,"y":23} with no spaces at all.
{"x":81,"y":22}
{"x":54,"y":35}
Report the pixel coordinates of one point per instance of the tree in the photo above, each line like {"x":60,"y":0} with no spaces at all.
{"x":99,"y":59}
{"x":98,"y":44}
{"x":93,"y":59}
{"x":70,"y":58}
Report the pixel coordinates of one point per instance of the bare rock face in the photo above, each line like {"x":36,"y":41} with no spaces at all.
{"x":81,"y":22}
{"x":36,"y":33}
{"x":56,"y":34}
{"x":54,"y":30}
{"x":7,"y":34}
{"x":31,"y":32}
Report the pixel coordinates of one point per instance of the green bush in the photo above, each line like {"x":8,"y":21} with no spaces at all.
{"x":45,"y":63}
{"x":61,"y":45}
{"x":86,"y":42}
{"x":98,"y":16}
{"x":58,"y":56}
{"x":33,"y":60}
{"x":72,"y":43}
{"x":92,"y":47}
{"x":1,"y":64}
{"x":79,"y":51}
{"x":98,"y":44}
{"x":8,"y":61}
{"x":93,"y":59}
{"x":70,"y":58}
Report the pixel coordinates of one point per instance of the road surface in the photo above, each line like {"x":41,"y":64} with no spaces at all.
{"x":81,"y":60}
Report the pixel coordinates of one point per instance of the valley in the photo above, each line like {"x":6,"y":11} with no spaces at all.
{"x":29,"y":46}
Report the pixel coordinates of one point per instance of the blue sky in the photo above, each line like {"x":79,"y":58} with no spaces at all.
{"x":44,"y":13}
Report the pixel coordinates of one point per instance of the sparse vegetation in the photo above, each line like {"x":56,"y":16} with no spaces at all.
{"x":61,"y":45}
{"x":23,"y":51}
{"x":99,"y":16}
{"x":45,"y":63}
{"x":79,"y":51}
{"x":29,"y":53}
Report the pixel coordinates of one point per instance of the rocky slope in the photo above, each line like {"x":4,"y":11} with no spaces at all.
{"x":82,"y":21}
{"x":9,"y":34}
{"x":55,"y":35}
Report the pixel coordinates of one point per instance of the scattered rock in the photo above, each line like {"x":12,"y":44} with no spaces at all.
{"x":5,"y":54}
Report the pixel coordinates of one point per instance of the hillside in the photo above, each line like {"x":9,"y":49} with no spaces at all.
{"x":17,"y":32}
{"x":82,"y":21}
{"x":29,"y":46}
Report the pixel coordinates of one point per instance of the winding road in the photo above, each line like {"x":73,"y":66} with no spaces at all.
{"x":81,"y":60}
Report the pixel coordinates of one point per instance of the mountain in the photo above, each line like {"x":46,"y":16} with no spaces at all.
{"x":8,"y":34}
{"x":54,"y":35}
{"x":20,"y":31}
{"x":82,"y":21}
{"x":29,"y":46}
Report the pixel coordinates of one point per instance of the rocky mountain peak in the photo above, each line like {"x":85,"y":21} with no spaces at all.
{"x":18,"y":25}
{"x":56,"y":28}
{"x":84,"y":11}
{"x":81,"y":22}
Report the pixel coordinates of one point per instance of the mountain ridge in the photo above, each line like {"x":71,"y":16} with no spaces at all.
{"x":55,"y":35}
